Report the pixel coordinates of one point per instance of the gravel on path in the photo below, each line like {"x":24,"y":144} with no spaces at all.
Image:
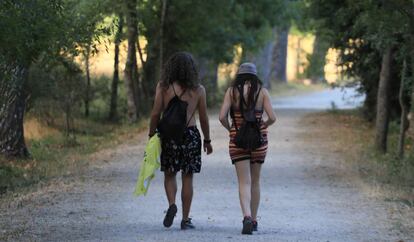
{"x":302,"y":199}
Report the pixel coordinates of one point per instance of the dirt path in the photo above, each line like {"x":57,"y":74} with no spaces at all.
{"x":302,"y":199}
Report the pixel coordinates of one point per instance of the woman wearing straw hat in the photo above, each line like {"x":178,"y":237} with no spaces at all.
{"x":246,"y":95}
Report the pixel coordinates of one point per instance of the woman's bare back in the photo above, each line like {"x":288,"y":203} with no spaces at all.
{"x":235,"y":97}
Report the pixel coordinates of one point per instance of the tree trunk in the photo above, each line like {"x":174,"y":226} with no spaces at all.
{"x":280,"y":56}
{"x":151,"y":70}
{"x":115,"y":80}
{"x":145,"y":91}
{"x":87,"y":53}
{"x":151,"y":67}
{"x":163,"y":12}
{"x":131,"y":68}
{"x":208,"y":77}
{"x":12,"y":109}
{"x":141,"y":56}
{"x":383,"y":102}
{"x":411,"y":66}
{"x":263,"y":60}
{"x":370,"y":102}
{"x":315,"y":70}
{"x":298,"y":52}
{"x":404,"y":97}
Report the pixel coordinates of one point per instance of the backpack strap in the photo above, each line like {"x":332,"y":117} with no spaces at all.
{"x":241,"y":98}
{"x":188,"y":122}
{"x":175,"y":93}
{"x":233,"y":117}
{"x":174,"y":89}
{"x":182,"y":93}
{"x":255,"y":102}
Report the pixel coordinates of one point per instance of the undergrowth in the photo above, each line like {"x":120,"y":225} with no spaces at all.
{"x":58,"y":155}
{"x":354,"y":138}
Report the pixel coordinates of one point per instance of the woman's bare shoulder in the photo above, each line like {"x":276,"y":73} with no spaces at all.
{"x":162,"y":86}
{"x":200,"y":89}
{"x":230,"y":90}
{"x":264,"y":91}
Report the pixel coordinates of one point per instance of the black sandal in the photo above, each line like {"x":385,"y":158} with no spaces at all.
{"x":247,"y":225}
{"x":169,"y":217}
{"x":186,"y":224}
{"x":255,"y":225}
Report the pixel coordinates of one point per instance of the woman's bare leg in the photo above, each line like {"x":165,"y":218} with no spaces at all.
{"x":170,"y":185}
{"x":255,"y":190}
{"x":187,"y":194}
{"x":243,"y":176}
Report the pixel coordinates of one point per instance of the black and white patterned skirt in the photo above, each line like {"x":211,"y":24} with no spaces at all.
{"x":185,"y":157}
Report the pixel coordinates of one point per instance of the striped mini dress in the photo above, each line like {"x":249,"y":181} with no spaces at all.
{"x":238,"y":154}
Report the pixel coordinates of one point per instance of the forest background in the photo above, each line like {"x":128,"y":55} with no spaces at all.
{"x":79,"y":75}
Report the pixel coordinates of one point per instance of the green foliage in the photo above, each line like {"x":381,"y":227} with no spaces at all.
{"x":57,"y":89}
{"x":210,"y":29}
{"x":361,"y":31}
{"x":355,"y":134}
{"x":394,"y":169}
{"x":100,"y":98}
{"x":29,"y":28}
{"x":10,"y":177}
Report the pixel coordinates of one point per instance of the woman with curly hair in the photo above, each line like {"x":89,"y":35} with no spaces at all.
{"x":247,"y":96}
{"x":179,"y":82}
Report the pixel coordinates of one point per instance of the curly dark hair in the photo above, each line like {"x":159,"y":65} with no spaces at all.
{"x":181,"y":68}
{"x":239,"y":82}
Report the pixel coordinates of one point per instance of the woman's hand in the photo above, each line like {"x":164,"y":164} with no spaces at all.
{"x":224,"y":111}
{"x":267,"y":106}
{"x":207,"y":148}
{"x":156,"y":109}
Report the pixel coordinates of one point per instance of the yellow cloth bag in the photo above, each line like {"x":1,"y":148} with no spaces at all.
{"x":150,"y":163}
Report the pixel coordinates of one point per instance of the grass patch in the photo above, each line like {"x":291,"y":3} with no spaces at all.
{"x":56,"y":155}
{"x":353,"y":137}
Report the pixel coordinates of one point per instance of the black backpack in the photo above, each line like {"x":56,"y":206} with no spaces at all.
{"x":248,"y":135}
{"x":173,"y":122}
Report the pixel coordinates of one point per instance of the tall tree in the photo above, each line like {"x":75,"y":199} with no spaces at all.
{"x":383,"y":101}
{"x":407,"y":83}
{"x":162,"y":26}
{"x":13,"y":105}
{"x":89,"y":15}
{"x":131,"y":74}
{"x":26,"y":32}
{"x":115,"y":79}
{"x":280,"y":55}
{"x":87,"y":95}
{"x":264,"y":61}
{"x":405,"y":102}
{"x":361,"y":31}
{"x":317,"y":60}
{"x":210,"y":32}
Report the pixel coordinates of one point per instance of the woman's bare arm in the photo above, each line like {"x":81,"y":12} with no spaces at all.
{"x":202,"y":109}
{"x":225,"y":108}
{"x":156,"y":110}
{"x":205,"y":126}
{"x":267,"y":106}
